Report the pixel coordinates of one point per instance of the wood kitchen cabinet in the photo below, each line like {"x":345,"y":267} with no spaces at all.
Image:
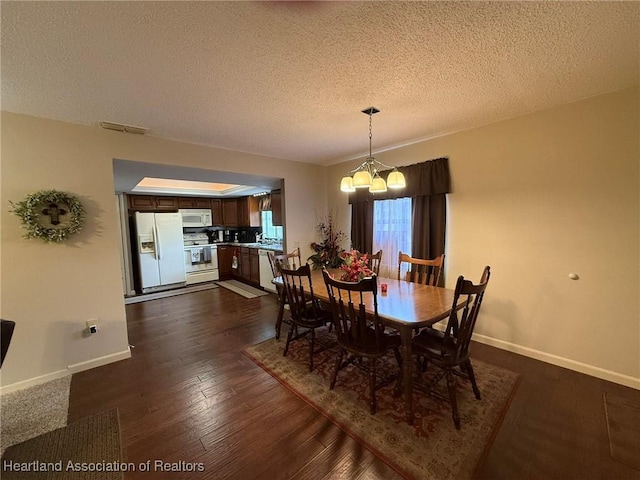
{"x":249,"y":212}
{"x":151,"y":203}
{"x":230,"y":212}
{"x":225,"y":257}
{"x":216,"y":211}
{"x":194,"y":202}
{"x":276,"y":208}
{"x":249,"y":265}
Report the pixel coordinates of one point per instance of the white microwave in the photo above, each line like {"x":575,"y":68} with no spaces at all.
{"x":196,"y":217}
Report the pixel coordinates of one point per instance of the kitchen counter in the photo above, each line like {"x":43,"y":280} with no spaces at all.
{"x":261,"y":246}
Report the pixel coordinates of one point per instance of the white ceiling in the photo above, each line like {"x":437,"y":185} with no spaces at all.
{"x":289,"y":79}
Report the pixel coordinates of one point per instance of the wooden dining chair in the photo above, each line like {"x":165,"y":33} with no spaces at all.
{"x":374,"y":260}
{"x":289,"y":260}
{"x":306,"y":313}
{"x":358,"y":334}
{"x":5,"y":337}
{"x":448,"y":350}
{"x":423,"y":271}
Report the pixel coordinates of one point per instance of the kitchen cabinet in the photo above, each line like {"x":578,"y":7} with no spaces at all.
{"x":225,"y":258}
{"x":249,"y":265}
{"x":276,"y":208}
{"x":216,"y":211}
{"x":255,"y":266}
{"x":249,"y":212}
{"x":151,"y":203}
{"x":230,"y":212}
{"x":194,"y":202}
{"x":245,"y":264}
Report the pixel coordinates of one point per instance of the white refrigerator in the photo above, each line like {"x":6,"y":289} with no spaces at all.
{"x":160,"y":250}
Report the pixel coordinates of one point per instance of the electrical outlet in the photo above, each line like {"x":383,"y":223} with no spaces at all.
{"x":92,"y":325}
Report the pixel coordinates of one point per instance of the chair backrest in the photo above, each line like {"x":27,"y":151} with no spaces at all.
{"x":298,"y":290}
{"x":373,"y":260}
{"x":353,"y":325}
{"x":427,"y":272}
{"x":462,"y":322}
{"x":6,"y":332}
{"x":290,"y":261}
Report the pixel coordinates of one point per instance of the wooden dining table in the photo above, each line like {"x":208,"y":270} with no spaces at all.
{"x":405,"y":306}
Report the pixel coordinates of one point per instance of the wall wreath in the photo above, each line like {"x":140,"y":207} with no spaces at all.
{"x":50,"y":215}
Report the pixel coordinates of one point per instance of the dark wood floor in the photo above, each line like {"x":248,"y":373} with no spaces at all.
{"x":189,"y":394}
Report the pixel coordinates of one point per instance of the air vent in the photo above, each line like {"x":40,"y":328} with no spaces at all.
{"x":119,"y":127}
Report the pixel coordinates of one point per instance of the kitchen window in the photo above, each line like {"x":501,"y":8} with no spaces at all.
{"x":269,"y":230}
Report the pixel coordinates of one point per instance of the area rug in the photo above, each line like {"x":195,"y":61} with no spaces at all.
{"x":243,"y":289}
{"x":88,"y":449}
{"x":623,"y":424}
{"x":432,"y":449}
{"x":33,"y":411}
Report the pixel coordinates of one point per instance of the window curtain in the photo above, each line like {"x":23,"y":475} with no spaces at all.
{"x":362,"y":226}
{"x":427,"y":185}
{"x":264,"y":204}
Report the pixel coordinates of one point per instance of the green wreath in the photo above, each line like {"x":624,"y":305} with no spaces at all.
{"x":50,"y":215}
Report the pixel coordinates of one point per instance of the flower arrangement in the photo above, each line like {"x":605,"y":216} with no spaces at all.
{"x":50,"y":215}
{"x":328,"y":251}
{"x":355,"y":266}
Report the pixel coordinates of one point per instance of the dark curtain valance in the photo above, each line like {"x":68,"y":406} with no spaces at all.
{"x":425,"y":178}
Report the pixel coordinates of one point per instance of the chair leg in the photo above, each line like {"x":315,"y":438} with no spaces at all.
{"x":312,"y":348}
{"x":281,"y":302}
{"x":451,"y":385}
{"x":372,"y":385}
{"x":289,"y":336}
{"x":336,"y":367}
{"x":397,"y":391}
{"x":472,"y":378}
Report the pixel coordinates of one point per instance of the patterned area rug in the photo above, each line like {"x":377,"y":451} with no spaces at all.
{"x":430,"y":449}
{"x":88,"y":449}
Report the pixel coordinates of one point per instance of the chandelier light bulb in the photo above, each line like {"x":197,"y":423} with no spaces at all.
{"x":346,"y":184}
{"x":362,"y":179}
{"x":396,"y":180}
{"x":378,"y":185}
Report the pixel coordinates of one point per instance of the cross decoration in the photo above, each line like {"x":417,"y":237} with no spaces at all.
{"x":54,"y":212}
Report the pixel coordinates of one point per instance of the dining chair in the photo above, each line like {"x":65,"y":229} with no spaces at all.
{"x":423,"y":271}
{"x":448,"y":350}
{"x":359,"y":334}
{"x":374,"y":260}
{"x":290,"y":260}
{"x":306,"y":315}
{"x":6,"y":333}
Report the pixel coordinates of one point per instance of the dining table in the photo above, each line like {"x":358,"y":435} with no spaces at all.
{"x":405,"y":307}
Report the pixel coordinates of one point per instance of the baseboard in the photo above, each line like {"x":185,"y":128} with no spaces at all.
{"x":71,"y":369}
{"x":100,"y":361}
{"x":597,"y":372}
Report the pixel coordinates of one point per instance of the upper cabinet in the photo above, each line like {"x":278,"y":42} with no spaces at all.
{"x":194,"y":202}
{"x":276,"y":208}
{"x":152,"y":203}
{"x":230,"y":212}
{"x":216,"y":211}
{"x":249,"y":212}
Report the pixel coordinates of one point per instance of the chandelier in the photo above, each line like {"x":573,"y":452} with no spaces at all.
{"x":367,"y":175}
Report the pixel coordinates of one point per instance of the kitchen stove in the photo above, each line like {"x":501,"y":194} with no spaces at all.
{"x":195,"y":239}
{"x":200,"y":257}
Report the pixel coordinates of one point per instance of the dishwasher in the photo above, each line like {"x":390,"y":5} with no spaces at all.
{"x":266,"y":275}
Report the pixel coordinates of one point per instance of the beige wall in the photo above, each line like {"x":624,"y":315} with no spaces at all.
{"x":538,"y":197}
{"x":51,"y":290}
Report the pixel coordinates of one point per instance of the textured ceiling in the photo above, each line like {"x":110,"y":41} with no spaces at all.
{"x":288,"y":79}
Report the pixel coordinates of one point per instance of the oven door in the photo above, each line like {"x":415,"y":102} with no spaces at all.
{"x":201,"y":263}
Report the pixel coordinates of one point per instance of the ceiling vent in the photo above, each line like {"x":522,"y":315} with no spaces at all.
{"x":124,"y":128}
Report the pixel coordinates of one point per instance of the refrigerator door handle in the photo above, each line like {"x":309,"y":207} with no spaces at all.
{"x":156,"y":241}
